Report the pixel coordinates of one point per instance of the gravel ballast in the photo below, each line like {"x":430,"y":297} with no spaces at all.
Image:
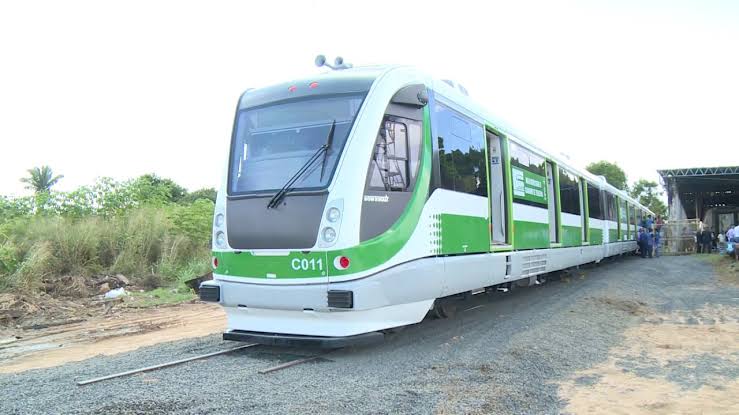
{"x":503,"y":357}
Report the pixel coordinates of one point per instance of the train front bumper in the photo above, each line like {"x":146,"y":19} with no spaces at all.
{"x":391,"y":298}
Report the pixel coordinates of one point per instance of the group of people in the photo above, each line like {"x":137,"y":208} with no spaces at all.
{"x":707,"y":240}
{"x":650,"y":235}
{"x":732,"y":234}
{"x":732,"y":240}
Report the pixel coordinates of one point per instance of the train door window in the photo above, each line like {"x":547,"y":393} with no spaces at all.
{"x":498,"y":195}
{"x":585,"y":222}
{"x":461,"y":152}
{"x":553,"y":218}
{"x":632,"y":218}
{"x":622,"y":218}
{"x":395,"y":157}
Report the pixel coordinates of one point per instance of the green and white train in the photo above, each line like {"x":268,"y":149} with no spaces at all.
{"x":361,"y":199}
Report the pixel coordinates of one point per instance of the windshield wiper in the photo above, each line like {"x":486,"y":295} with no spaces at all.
{"x":277,"y":198}
{"x":329,"y":141}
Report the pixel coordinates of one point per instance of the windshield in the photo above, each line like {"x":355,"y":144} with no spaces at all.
{"x":272,"y":143}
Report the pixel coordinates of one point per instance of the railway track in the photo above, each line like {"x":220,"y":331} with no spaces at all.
{"x":172,"y":363}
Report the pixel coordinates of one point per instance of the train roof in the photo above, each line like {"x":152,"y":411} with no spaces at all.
{"x":361,"y":76}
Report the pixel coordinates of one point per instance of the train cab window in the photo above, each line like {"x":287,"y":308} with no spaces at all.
{"x":461,"y":152}
{"x":594,"y":202}
{"x":395,"y":157}
{"x":569,"y":192}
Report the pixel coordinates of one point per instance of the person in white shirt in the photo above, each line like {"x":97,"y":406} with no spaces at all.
{"x":736,"y":233}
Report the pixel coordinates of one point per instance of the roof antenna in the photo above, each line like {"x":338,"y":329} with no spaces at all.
{"x":338,"y":63}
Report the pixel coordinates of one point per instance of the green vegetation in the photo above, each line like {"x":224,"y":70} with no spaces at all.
{"x":614,"y":175}
{"x":149,"y":229}
{"x":648,"y":194}
{"x":726,"y":267}
{"x":159,"y":296}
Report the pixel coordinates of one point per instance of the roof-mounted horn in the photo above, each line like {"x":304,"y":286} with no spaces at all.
{"x":338,"y":63}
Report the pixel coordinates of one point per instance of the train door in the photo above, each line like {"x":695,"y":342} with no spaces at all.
{"x":583,"y":212}
{"x":498,"y":195}
{"x":552,"y":205}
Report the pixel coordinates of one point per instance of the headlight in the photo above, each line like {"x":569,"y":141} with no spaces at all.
{"x":221,"y":240}
{"x":219,"y":220}
{"x":333,"y":214}
{"x":329,"y":234}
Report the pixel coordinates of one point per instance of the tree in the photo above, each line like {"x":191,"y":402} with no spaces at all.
{"x":41,"y":179}
{"x":152,"y":189}
{"x":205,"y":193}
{"x":648,"y":194}
{"x":614,"y":175}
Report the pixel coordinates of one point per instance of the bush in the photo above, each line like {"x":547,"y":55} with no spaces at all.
{"x":37,"y":265}
{"x":148,"y":228}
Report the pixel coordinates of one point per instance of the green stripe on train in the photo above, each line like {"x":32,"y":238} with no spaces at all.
{"x":462,"y":234}
{"x":530,"y":235}
{"x":571,"y":235}
{"x":596,"y":236}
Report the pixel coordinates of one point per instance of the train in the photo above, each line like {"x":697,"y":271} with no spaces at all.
{"x":360,"y":200}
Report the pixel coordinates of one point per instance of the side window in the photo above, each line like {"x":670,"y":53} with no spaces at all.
{"x":394,"y":163}
{"x":621,"y":211}
{"x":594,"y":207}
{"x":528,"y":172}
{"x":569,"y":192}
{"x":610,"y":207}
{"x":461,"y":152}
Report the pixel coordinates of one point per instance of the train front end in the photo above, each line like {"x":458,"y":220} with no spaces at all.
{"x":310,"y":221}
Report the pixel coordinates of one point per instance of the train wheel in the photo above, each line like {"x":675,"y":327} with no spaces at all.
{"x":444,"y":308}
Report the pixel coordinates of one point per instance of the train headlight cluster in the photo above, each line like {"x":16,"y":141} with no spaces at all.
{"x":328,"y":234}
{"x":220,"y":239}
{"x":219,"y":220}
{"x":331,"y":223}
{"x":333,"y":215}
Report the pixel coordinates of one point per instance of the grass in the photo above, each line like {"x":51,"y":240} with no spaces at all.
{"x":725,"y":266}
{"x":153,"y":246}
{"x":159,"y":297}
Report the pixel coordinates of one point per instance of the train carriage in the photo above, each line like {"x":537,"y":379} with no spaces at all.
{"x":359,"y":200}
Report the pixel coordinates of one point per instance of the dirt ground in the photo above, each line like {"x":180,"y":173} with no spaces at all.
{"x":103,"y":334}
{"x":653,"y":370}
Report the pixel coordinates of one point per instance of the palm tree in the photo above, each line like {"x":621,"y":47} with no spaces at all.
{"x":41,"y":179}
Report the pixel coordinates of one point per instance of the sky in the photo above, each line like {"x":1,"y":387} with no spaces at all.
{"x":120,"y":89}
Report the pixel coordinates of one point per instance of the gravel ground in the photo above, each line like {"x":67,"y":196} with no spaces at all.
{"x":503,"y":357}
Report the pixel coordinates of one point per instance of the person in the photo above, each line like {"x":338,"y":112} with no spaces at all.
{"x":730,"y":234}
{"x":658,"y":223}
{"x":706,"y":241}
{"x":698,"y":237}
{"x":657,"y":238}
{"x":650,"y":223}
{"x":644,"y":243}
{"x":736,"y":233}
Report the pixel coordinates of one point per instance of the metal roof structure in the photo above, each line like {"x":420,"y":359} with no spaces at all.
{"x":698,"y":171}
{"x":693,"y":191}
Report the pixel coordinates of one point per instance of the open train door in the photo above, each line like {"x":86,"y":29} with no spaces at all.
{"x":498,"y":194}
